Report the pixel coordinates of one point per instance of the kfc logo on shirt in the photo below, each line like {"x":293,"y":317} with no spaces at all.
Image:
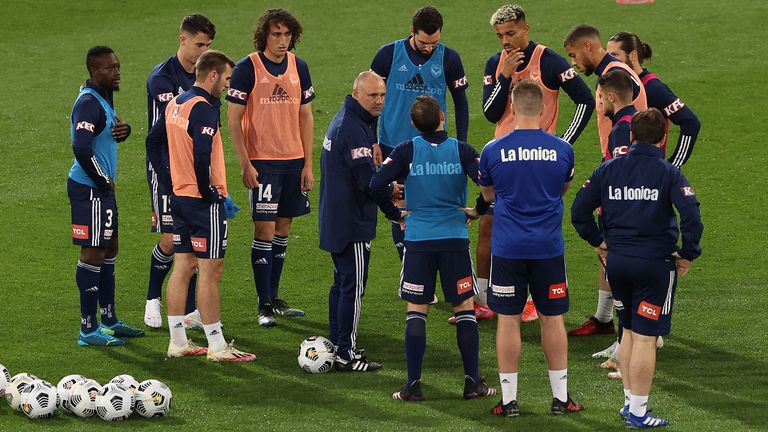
{"x":687,"y":191}
{"x":461,"y":82}
{"x":80,"y":232}
{"x":558,"y":291}
{"x":464,"y":285}
{"x":165,"y":97}
{"x":674,"y":107}
{"x":199,"y":244}
{"x":586,"y":184}
{"x":567,"y":75}
{"x":237,"y":94}
{"x":361,"y":152}
{"x":649,"y":311}
{"x":310,"y":91}
{"x":487,"y":80}
{"x":84,"y":125}
{"x":206,"y":130}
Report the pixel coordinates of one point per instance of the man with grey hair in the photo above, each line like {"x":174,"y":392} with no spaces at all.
{"x":522,"y":59}
{"x":347,"y":216}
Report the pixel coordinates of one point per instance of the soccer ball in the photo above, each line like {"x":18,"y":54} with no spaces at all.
{"x":82,"y":398}
{"x":316,"y":355}
{"x":39,"y":399}
{"x":64,"y":388}
{"x":114,"y":402}
{"x":153,"y":399}
{"x":14,"y":388}
{"x":127,"y":381}
{"x":5,"y":379}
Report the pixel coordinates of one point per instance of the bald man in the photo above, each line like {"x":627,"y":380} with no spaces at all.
{"x":348,"y":213}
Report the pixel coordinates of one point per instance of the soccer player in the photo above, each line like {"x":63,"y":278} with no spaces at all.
{"x":519,"y":59}
{"x":638,"y":245}
{"x":347,"y":216}
{"x":526,"y":173}
{"x":587,"y":54}
{"x":435,"y":168}
{"x":96,"y":130}
{"x":616,"y":97}
{"x":628,"y":48}
{"x":199,"y":183}
{"x":169,"y":79}
{"x":271,"y":123}
{"x":413,"y":66}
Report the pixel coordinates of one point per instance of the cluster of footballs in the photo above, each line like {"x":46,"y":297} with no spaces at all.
{"x":84,"y":397}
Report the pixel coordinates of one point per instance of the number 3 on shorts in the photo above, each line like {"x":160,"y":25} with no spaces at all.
{"x":265,"y":192}
{"x":109,"y":218}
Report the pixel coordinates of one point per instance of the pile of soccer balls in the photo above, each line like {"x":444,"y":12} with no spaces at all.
{"x":84,"y":397}
{"x":317,"y":355}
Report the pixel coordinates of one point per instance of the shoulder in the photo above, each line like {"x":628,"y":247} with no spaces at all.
{"x":466,"y":148}
{"x":203,"y":111}
{"x":493,"y":60}
{"x":451,"y":55}
{"x":551,"y":58}
{"x":386,"y":49}
{"x":300,"y":62}
{"x":87,"y":102}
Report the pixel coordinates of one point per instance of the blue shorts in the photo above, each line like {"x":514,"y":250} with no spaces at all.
{"x":511,"y":279}
{"x":199,"y":227}
{"x":160,"y":191}
{"x":419,"y":273}
{"x":278,"y":195}
{"x":643,"y":291}
{"x":94,"y":215}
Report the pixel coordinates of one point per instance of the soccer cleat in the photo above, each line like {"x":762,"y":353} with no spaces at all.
{"x":152,"y":316}
{"x":606,"y":353}
{"x":474,"y":389}
{"x":230,"y":354}
{"x":509,"y":410}
{"x":99,"y":337}
{"x":644,"y":422}
{"x":123,"y":330}
{"x":409,"y":393}
{"x":186,"y":350}
{"x":592,"y":327}
{"x":359,"y":364}
{"x":529,"y":312}
{"x":561,"y":408}
{"x":267,"y":316}
{"x":280,"y":307}
{"x":193,"y":320}
{"x":610,"y":364}
{"x":624,"y":412}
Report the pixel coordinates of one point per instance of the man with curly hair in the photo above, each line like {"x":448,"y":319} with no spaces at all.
{"x":271,"y":123}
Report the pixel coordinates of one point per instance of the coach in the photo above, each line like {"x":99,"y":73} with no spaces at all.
{"x":639,"y":247}
{"x":348,"y":212}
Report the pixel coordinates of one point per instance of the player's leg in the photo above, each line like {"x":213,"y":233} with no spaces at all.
{"x":161,"y":257}
{"x":264,"y":200}
{"x":602,"y":321}
{"x":621,"y":289}
{"x":483,"y":253}
{"x":333,"y":303}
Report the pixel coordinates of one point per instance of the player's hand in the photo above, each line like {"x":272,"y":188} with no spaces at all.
{"x":602,"y":253}
{"x":472,"y":214}
{"x":511,"y":62}
{"x":307,"y":179}
{"x":682,"y":264}
{"x":250,"y":177}
{"x":121,"y":130}
{"x":377,"y":157}
{"x":401,"y":221}
{"x":397,"y":191}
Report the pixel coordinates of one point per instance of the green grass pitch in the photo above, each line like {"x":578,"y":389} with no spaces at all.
{"x":711,"y":373}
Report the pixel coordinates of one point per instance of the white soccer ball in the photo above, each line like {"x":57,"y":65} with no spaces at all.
{"x":127,"y":381}
{"x":153,"y":398}
{"x":14,"y":388}
{"x":5,"y":379}
{"x":39,"y":399}
{"x":64,"y":388}
{"x":317,"y":355}
{"x":82,"y":398}
{"x":114,"y":402}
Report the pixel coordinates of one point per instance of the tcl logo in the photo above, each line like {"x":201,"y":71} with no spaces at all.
{"x":558,"y":291}
{"x":567,"y":75}
{"x":674,"y":107}
{"x":206,"y":130}
{"x":361,"y":152}
{"x":165,"y":97}
{"x":84,"y":125}
{"x":649,"y":311}
{"x":80,"y":232}
{"x":461,"y":82}
{"x":199,"y":244}
{"x":487,"y":80}
{"x":237,"y":94}
{"x":464,"y":285}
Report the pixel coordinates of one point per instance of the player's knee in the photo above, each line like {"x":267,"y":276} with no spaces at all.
{"x":421,"y":308}
{"x":264,"y":231}
{"x":466,"y":305}
{"x":166,"y":243}
{"x":283,"y":226}
{"x":93,"y":255}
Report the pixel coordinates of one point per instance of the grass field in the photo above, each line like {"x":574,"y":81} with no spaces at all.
{"x":711,"y":373}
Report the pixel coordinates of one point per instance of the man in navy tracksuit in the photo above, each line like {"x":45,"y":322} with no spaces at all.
{"x":348,"y":212}
{"x":616,"y":95}
{"x":638,"y":245}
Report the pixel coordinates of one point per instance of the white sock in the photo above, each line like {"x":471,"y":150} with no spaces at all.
{"x":508,"y":387}
{"x":626,"y":397}
{"x":638,"y":405}
{"x":558,"y":380}
{"x":604,"y":311}
{"x":482,"y":296}
{"x":177,"y":330}
{"x":616,"y":350}
{"x":215,"y":336}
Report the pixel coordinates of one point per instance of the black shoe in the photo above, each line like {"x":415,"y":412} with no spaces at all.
{"x":358,"y":364}
{"x":266,"y":316}
{"x":508,"y":410}
{"x":562,"y":408}
{"x":280,"y":307}
{"x":409,"y":393}
{"x":474,"y":389}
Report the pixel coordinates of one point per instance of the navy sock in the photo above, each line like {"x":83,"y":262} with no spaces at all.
{"x":261,"y":261}
{"x":279,"y":245}
{"x":191,"y":303}
{"x":415,"y":343}
{"x":160,"y":265}
{"x":87,"y":279}
{"x":107,"y":292}
{"x":468,"y":340}
{"x":333,"y":309}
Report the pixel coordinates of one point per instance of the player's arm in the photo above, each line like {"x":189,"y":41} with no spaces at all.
{"x":396,"y":166}
{"x":495,"y":91}
{"x":203,"y":125}
{"x":569,"y":177}
{"x":484,"y":177}
{"x":456,"y":80}
{"x":382,"y":61}
{"x":160,"y":91}
{"x":306,"y":123}
{"x":240,"y":86}
{"x":660,"y":96}
{"x":687,"y":206}
{"x":121,"y":131}
{"x":582,"y":211}
{"x":557,"y":73}
{"x":86,"y":115}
